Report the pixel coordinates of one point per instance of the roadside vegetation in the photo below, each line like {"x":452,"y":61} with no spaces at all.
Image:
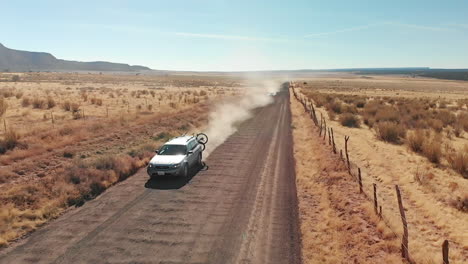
{"x":427,"y":126}
{"x":66,"y":138}
{"x":413,"y":135}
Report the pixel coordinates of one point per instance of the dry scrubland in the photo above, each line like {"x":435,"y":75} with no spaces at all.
{"x":411,"y":132}
{"x":337,"y":223}
{"x":65,"y":138}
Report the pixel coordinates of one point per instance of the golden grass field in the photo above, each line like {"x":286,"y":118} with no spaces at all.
{"x":410,"y":132}
{"x":65,"y":138}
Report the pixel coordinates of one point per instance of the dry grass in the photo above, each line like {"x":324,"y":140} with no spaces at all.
{"x":415,"y":140}
{"x":38,"y":103}
{"x":390,"y":132}
{"x":434,"y":194}
{"x":3,"y":106}
{"x":458,"y":160}
{"x":71,"y":153}
{"x":337,"y":224}
{"x":350,"y":120}
{"x":10,"y":141}
{"x":391,"y":116}
{"x":432,"y":148}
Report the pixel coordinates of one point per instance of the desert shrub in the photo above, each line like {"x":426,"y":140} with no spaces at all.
{"x":96,"y":101}
{"x":6,"y":174}
{"x":66,"y":130}
{"x":149,"y":107}
{"x":350,"y":120}
{"x":461,"y":203}
{"x":423,"y":177}
{"x":38,"y":103}
{"x":123,"y":165}
{"x":18,"y":95}
{"x":164,"y":136}
{"x":462,"y":121}
{"x":458,"y":160}
{"x":335,"y":107}
{"x":50,"y":102}
{"x":371,"y":108}
{"x":76,"y":115}
{"x":387,"y":113}
{"x":66,"y":106}
{"x":443,"y":104}
{"x":415,"y":140}
{"x":458,"y":130}
{"x":360,"y":103}
{"x":349,"y":109}
{"x":203,"y":93}
{"x":3,"y":106}
{"x":390,"y":131}
{"x":68,"y":154}
{"x":432,"y":149}
{"x":74,"y":107}
{"x":26,"y":101}
{"x":447,"y":117}
{"x":7,"y":93}
{"x":15,"y":78}
{"x":436,"y":124}
{"x":10,"y":140}
{"x":369,"y":121}
{"x":106,"y":162}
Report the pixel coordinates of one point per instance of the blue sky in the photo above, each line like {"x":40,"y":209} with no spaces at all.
{"x":243,"y":35}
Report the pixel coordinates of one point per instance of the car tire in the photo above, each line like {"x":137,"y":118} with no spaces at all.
{"x":184,"y":172}
{"x":199,"y":161}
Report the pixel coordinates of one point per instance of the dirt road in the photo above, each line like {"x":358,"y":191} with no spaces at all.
{"x":242,"y":209}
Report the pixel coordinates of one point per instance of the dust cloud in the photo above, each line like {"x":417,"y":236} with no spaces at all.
{"x":226,"y":115}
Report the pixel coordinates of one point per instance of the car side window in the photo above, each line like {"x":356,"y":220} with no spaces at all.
{"x":192,"y":144}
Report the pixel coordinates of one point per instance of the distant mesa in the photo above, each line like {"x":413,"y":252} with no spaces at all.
{"x":23,"y":61}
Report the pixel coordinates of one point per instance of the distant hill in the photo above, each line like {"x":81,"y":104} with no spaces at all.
{"x":22,"y":61}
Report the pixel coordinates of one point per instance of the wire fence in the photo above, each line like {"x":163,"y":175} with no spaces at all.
{"x":388,"y":203}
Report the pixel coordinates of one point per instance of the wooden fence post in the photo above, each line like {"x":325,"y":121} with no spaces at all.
{"x":333,"y":141}
{"x":360,"y":180}
{"x":404,"y":240}
{"x":341,"y":154}
{"x":321,"y":123}
{"x":313,"y":114}
{"x":329,"y":136}
{"x":346,"y":152}
{"x":445,"y":252}
{"x":375,"y":200}
{"x":324,"y":129}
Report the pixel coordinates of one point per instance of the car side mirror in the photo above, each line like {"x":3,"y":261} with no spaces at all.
{"x":157,"y":151}
{"x":190,"y":152}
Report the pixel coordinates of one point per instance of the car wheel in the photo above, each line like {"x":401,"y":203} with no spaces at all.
{"x":185,"y":171}
{"x":199,"y":161}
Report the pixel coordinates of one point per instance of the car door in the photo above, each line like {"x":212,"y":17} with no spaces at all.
{"x":191,"y":157}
